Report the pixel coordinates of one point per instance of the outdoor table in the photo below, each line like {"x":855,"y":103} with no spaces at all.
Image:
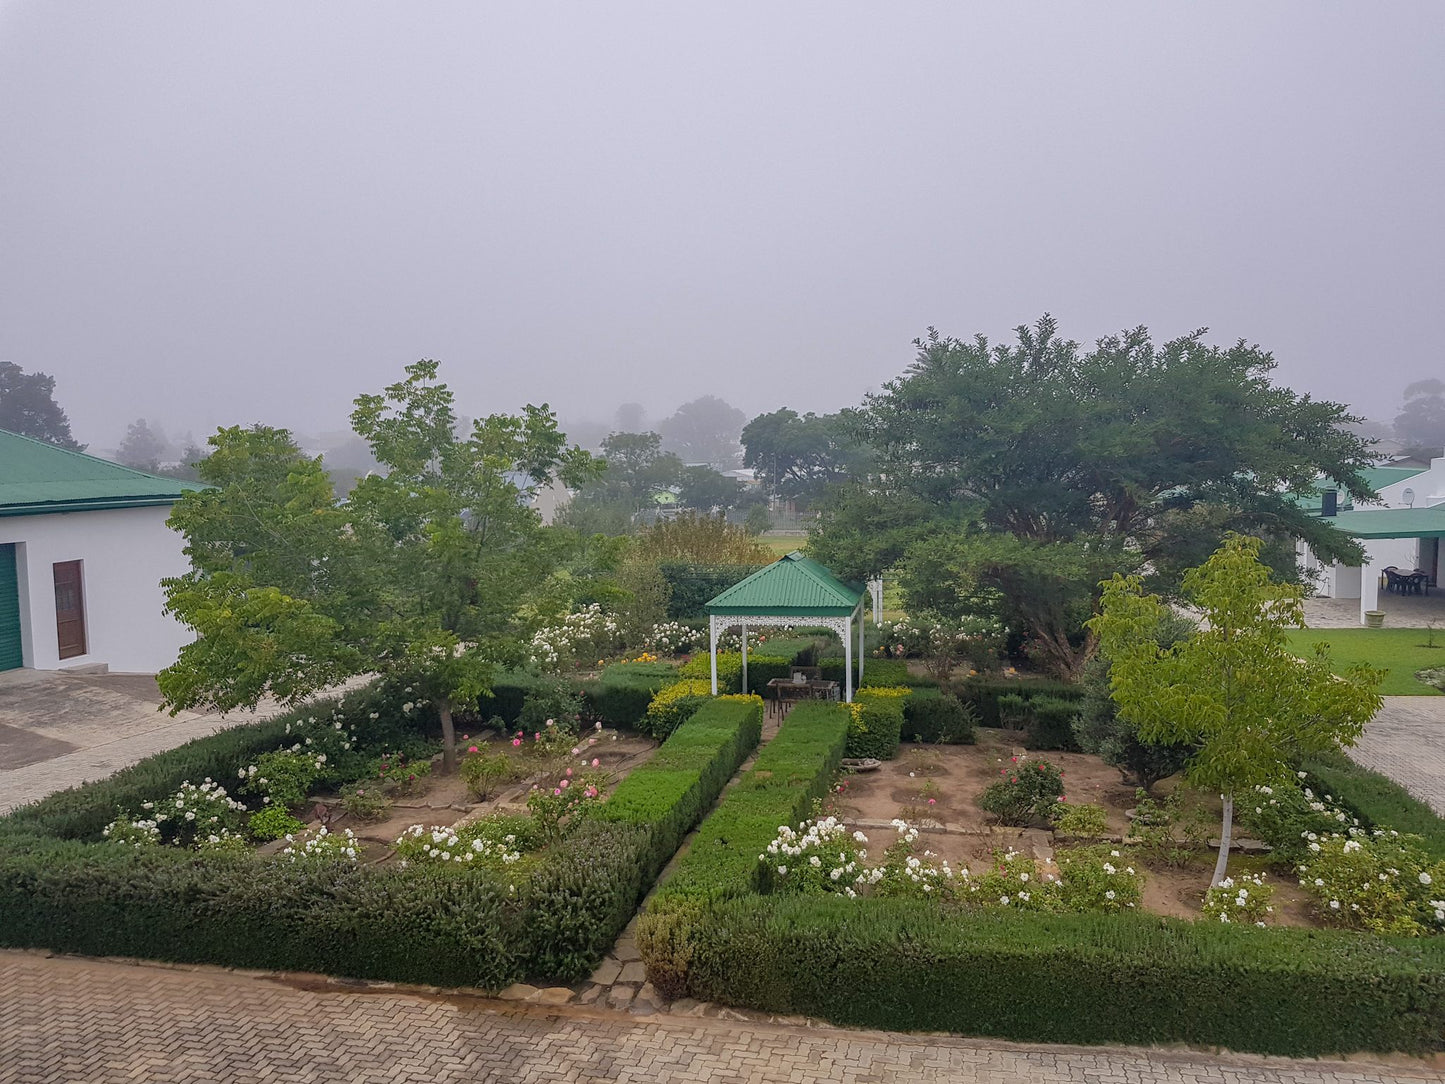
{"x":786,"y":691}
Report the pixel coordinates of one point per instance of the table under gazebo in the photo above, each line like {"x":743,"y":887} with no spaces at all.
{"x":793,"y":590}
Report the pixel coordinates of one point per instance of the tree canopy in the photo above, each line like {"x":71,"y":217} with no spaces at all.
{"x":704,"y":430}
{"x":1421,"y":421}
{"x":1233,"y":690}
{"x":797,"y":456}
{"x":421,"y":573}
{"x":1021,"y":467}
{"x":28,"y":407}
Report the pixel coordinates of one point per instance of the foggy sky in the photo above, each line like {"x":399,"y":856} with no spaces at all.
{"x":216,"y":213}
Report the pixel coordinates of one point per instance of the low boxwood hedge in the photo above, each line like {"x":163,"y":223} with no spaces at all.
{"x":982,"y":694}
{"x":906,"y":965}
{"x":877,"y":724}
{"x":420,"y":924}
{"x":931,"y":715}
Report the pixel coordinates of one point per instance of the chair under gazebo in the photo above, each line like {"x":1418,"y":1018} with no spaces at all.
{"x":793,"y":590}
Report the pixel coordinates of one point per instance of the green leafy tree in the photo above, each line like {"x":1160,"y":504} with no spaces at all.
{"x":1233,"y":689}
{"x":143,"y":448}
{"x":1421,"y":421}
{"x":421,"y":575}
{"x":704,"y":430}
{"x":705,"y":490}
{"x":1075,"y":454}
{"x":28,"y":407}
{"x":797,"y":456}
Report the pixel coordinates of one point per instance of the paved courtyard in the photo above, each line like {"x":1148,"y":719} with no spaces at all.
{"x":1406,"y":742}
{"x":68,"y":1019}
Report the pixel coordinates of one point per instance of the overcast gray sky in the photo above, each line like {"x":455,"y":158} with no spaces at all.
{"x":215,"y":213}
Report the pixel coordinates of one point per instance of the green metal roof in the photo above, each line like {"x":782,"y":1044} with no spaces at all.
{"x":38,"y":478}
{"x":1392,"y":522}
{"x":1376,"y":477}
{"x":791,"y":586}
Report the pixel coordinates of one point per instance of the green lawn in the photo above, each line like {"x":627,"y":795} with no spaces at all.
{"x":1400,"y":651}
{"x":782,"y":545}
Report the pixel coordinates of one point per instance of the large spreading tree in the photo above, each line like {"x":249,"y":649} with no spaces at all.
{"x":420,"y":574}
{"x":1233,"y":691}
{"x":798,"y":456}
{"x":1011,"y":478}
{"x":28,"y":407}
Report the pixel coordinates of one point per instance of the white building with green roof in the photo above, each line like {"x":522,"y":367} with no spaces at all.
{"x":83,"y":548}
{"x":1401,"y":534}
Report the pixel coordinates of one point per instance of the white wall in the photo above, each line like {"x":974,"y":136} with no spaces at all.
{"x":124,"y":554}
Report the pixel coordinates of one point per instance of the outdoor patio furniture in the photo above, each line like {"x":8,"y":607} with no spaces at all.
{"x":787,"y":692}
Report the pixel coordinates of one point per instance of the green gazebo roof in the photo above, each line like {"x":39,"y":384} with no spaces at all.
{"x":792,"y":586}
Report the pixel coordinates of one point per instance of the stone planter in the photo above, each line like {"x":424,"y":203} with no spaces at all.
{"x":1374,"y":619}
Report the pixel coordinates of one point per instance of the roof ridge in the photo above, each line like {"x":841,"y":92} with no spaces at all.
{"x":45,"y":444}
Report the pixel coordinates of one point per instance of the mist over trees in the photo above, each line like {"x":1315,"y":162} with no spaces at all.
{"x":28,"y":407}
{"x":1420,"y":425}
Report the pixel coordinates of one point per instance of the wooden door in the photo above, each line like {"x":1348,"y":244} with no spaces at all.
{"x":10,"y":655}
{"x":69,"y":609}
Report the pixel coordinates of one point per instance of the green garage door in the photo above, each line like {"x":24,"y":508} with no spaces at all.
{"x":10,"y":657}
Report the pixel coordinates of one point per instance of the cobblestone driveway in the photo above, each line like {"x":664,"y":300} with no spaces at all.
{"x":67,"y":1019}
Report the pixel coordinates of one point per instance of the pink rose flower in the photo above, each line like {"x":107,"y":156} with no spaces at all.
{"x":471,"y":749}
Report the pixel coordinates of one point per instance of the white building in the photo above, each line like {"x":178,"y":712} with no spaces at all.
{"x":1402,"y":532}
{"x":83,"y":548}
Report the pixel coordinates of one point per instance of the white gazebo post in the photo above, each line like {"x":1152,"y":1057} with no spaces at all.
{"x":875,"y":588}
{"x":712,"y":648}
{"x":1370,"y":584}
{"x":861,"y":651}
{"x":848,"y":659}
{"x":745,"y":661}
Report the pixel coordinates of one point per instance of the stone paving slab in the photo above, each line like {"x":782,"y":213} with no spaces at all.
{"x":71,"y":1019}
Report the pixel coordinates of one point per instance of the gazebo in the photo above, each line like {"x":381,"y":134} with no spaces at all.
{"x":793,"y":590}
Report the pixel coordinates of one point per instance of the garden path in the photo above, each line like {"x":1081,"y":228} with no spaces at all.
{"x":1406,"y":742}
{"x":73,"y":1019}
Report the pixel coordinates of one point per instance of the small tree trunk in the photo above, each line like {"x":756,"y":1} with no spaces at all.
{"x":449,"y":736}
{"x":1226,"y":829}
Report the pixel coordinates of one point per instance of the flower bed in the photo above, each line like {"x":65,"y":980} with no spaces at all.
{"x":870,"y":929}
{"x":436,"y":917}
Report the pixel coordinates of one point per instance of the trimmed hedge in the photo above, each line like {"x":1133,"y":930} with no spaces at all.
{"x":931,"y":715}
{"x":620,"y":697}
{"x":729,"y":670}
{"x":982,"y":694}
{"x":794,"y":768}
{"x":905,"y":965}
{"x":694,"y":586}
{"x":1376,"y":800}
{"x":876,"y":726}
{"x":671,"y":791}
{"x":420,"y":924}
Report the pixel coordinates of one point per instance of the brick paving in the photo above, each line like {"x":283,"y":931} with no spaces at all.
{"x":76,"y":1020}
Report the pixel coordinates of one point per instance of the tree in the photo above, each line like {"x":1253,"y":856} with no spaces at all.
{"x":798,"y":456}
{"x":143,"y":447}
{"x":28,"y":407}
{"x":1421,"y":421}
{"x":1038,"y":454}
{"x":704,"y":431}
{"x":1233,"y":689}
{"x":758,"y":521}
{"x":705,"y":490}
{"x":421,"y":575}
{"x":629,"y":418}
{"x":637,"y":466}
{"x":1101,"y":730}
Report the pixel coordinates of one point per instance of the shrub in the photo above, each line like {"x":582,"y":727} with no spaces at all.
{"x":819,"y":856}
{"x":1378,"y":880}
{"x":456,"y":848}
{"x":551,"y":700}
{"x":1097,"y":879}
{"x":273,"y":822}
{"x":674,"y":705}
{"x":582,"y":636}
{"x":484,"y":772}
{"x":366,"y":803}
{"x":1244,"y":899}
{"x":929,"y":716}
{"x":194,"y":815}
{"x":1287,"y":815}
{"x":876,"y":724}
{"x":1080,"y":820}
{"x":729,"y":670}
{"x":1101,"y":730}
{"x":322,"y":845}
{"x":284,"y":777}
{"x":1028,"y":792}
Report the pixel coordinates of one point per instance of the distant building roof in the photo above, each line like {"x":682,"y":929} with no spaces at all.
{"x":38,"y":478}
{"x":1376,"y":477}
{"x":791,"y":586}
{"x":1392,"y":522}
